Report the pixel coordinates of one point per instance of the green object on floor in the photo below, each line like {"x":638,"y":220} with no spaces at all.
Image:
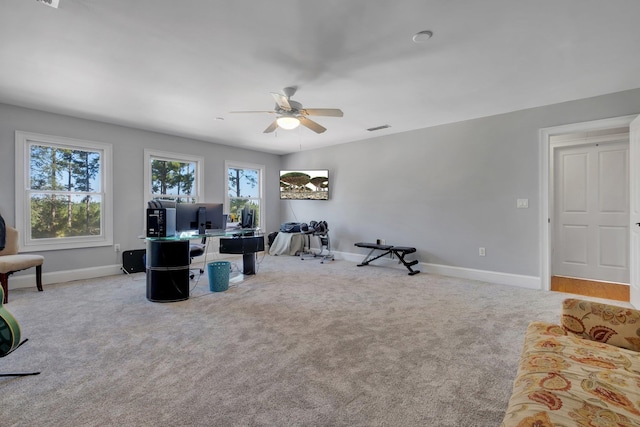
{"x":219,"y":275}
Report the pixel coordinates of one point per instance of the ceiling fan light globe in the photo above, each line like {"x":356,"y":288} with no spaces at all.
{"x":288,"y":123}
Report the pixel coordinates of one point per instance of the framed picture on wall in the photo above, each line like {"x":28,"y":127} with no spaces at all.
{"x":304,"y":184}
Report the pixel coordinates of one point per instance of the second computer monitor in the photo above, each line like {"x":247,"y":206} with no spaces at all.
{"x":199,"y":217}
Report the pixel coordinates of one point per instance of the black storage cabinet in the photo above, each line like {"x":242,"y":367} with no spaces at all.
{"x":167,"y":270}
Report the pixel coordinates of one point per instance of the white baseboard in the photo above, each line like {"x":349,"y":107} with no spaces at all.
{"x":29,"y":280}
{"x":518,"y":280}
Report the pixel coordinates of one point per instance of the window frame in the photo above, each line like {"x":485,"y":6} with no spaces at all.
{"x":150,"y":154}
{"x":23,"y":141}
{"x":230,"y":164}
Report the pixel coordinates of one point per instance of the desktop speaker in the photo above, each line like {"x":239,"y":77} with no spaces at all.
{"x":242,"y":245}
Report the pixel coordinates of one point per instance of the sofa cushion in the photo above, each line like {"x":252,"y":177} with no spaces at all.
{"x":564,"y":380}
{"x":619,"y":326}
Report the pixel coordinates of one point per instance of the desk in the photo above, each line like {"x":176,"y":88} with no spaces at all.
{"x":245,"y":245}
{"x":168,"y":262}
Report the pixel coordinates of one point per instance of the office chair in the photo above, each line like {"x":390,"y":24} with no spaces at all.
{"x":196,"y":250}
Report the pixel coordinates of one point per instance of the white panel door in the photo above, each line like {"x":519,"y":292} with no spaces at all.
{"x":634,"y":157}
{"x":591,"y":235}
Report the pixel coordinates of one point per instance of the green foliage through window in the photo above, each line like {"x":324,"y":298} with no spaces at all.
{"x":173,"y":180}
{"x":65,"y":196}
{"x":244,"y":188}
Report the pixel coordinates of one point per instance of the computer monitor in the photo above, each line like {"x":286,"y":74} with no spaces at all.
{"x":247,"y":218}
{"x":199,"y":217}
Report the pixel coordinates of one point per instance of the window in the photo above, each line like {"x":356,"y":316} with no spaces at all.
{"x":245,"y":187}
{"x":170,"y":176}
{"x":63,"y":192}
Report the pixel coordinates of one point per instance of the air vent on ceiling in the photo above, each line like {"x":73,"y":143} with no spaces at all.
{"x":52,"y":3}
{"x":378,"y":128}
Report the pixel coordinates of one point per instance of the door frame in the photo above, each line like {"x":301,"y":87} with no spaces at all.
{"x":546,"y":180}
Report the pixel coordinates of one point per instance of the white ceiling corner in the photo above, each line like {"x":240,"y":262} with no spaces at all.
{"x":174,"y":67}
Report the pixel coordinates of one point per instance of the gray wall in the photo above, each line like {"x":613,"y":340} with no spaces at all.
{"x":447,"y":190}
{"x":128,"y":154}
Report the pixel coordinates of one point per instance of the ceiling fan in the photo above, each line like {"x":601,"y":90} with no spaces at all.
{"x":291,"y":114}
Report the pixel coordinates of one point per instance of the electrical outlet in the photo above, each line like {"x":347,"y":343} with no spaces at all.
{"x":116,"y":247}
{"x":481,"y":252}
{"x":383,"y":242}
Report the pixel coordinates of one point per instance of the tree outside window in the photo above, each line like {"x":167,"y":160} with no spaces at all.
{"x":173,"y":180}
{"x":66,"y":201}
{"x":64,"y":192}
{"x":172,"y":176}
{"x":244,"y":183}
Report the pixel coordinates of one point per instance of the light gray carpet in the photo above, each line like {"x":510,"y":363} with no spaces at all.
{"x":299,"y":344}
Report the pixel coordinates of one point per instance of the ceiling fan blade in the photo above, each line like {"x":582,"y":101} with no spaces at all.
{"x":273,"y":126}
{"x":282,"y":101}
{"x":328,"y":112}
{"x":242,"y":112}
{"x":311,"y":125}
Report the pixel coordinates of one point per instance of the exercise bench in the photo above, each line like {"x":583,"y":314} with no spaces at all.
{"x":399,"y":251}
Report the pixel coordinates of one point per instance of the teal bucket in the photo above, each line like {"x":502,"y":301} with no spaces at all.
{"x":219,"y":275}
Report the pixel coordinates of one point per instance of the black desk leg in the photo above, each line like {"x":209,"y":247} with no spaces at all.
{"x":249,"y":263}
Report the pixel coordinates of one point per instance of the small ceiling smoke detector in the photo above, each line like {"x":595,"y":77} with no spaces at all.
{"x":52,"y":3}
{"x":422,"y":36}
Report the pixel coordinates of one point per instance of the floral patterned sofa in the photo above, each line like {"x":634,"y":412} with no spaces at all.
{"x":585,"y":372}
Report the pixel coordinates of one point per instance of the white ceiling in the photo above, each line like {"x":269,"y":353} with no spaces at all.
{"x":179,"y":67}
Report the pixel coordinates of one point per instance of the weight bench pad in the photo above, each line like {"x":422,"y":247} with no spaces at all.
{"x":404,"y":249}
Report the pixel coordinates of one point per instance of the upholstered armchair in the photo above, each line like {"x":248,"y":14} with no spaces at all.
{"x":11,"y":261}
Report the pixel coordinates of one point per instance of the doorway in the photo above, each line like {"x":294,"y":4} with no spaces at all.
{"x":584,"y":237}
{"x":590,"y":223}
